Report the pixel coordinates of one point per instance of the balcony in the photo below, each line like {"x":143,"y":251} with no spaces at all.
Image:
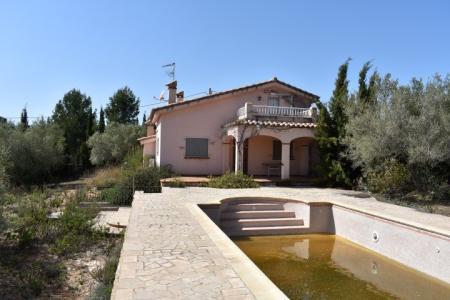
{"x":250,"y":111}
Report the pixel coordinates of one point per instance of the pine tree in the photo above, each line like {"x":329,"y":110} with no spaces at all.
{"x":123,"y":107}
{"x":101,"y":122}
{"x":144,"y":119}
{"x":24,"y":119}
{"x":73,"y":114}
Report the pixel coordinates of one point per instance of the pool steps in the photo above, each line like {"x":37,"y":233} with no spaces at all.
{"x":259,"y":218}
{"x":258,"y":214}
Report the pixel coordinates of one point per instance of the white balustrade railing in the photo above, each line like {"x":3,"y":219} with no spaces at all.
{"x":262,"y":110}
{"x":274,"y":111}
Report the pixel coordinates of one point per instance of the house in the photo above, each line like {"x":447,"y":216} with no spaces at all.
{"x":263,"y":129}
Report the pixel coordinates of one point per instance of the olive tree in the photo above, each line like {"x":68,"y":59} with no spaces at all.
{"x":33,"y":155}
{"x":112,"y":145}
{"x":407,"y":125}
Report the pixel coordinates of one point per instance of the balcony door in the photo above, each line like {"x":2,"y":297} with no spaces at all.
{"x":273,"y":101}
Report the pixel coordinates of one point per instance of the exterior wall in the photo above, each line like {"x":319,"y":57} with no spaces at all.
{"x":149,"y":148}
{"x":203,"y":120}
{"x":421,"y":250}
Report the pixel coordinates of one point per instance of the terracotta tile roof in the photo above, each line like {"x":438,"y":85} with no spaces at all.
{"x":209,"y":97}
{"x":274,"y":123}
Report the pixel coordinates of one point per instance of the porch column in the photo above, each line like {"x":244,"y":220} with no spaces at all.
{"x":238,"y":157}
{"x":285,"y":160}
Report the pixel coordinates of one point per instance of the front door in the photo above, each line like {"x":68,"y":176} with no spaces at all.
{"x":304,"y":160}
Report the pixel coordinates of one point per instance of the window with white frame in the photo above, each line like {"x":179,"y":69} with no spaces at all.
{"x":273,"y":101}
{"x":196,"y":148}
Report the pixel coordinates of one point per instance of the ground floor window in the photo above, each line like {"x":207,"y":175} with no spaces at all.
{"x":196,"y":148}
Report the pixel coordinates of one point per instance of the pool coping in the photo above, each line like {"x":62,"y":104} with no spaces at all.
{"x":256,"y":281}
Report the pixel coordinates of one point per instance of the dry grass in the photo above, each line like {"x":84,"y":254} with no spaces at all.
{"x":105,"y":177}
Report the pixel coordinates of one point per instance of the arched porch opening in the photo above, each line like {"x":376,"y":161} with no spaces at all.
{"x":262,"y":156}
{"x":304,"y":157}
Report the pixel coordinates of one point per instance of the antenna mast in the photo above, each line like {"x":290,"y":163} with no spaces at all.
{"x":170,"y":72}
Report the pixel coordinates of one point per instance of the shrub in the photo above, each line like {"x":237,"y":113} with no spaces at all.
{"x":134,"y":159}
{"x":31,"y":222}
{"x":4,"y":164}
{"x":392,"y":178}
{"x":120,"y":194}
{"x":176,"y":183}
{"x":105,"y":177}
{"x":147,"y":180}
{"x":106,"y":275}
{"x":143,"y":179}
{"x":232,"y":181}
{"x":75,"y":230}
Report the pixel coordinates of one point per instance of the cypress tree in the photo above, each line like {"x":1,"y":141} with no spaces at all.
{"x":101,"y":122}
{"x":372,"y":90}
{"x":144,"y":119}
{"x":24,"y":119}
{"x":363,"y":91}
{"x":92,"y":124}
{"x":330,"y":132}
{"x":338,"y":102}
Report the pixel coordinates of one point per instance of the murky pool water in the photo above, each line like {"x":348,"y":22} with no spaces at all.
{"x":329,"y":267}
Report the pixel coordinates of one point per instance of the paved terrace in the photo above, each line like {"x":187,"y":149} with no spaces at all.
{"x":168,"y":254}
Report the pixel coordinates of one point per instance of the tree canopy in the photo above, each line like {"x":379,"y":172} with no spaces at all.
{"x":73,"y":114}
{"x":123,"y":107}
{"x":331,"y":131}
{"x":112,"y":145}
{"x":32,"y":156}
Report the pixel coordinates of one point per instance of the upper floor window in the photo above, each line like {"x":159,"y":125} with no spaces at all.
{"x":196,"y":148}
{"x":273,"y":101}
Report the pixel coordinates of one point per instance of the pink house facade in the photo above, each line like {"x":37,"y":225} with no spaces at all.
{"x":264,"y":129}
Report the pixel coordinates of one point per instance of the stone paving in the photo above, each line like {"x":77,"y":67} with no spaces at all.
{"x":168,"y":255}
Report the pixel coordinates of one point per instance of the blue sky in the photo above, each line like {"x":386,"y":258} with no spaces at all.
{"x":50,"y":47}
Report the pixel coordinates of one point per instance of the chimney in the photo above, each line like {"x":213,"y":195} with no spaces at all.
{"x":180,"y":97}
{"x":172,"y":86}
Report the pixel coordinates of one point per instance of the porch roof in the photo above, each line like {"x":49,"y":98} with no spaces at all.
{"x":267,"y":123}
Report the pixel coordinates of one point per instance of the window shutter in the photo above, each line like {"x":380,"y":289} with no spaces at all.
{"x":196,"y":147}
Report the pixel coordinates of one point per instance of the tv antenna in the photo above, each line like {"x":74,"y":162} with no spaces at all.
{"x":170,"y":70}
